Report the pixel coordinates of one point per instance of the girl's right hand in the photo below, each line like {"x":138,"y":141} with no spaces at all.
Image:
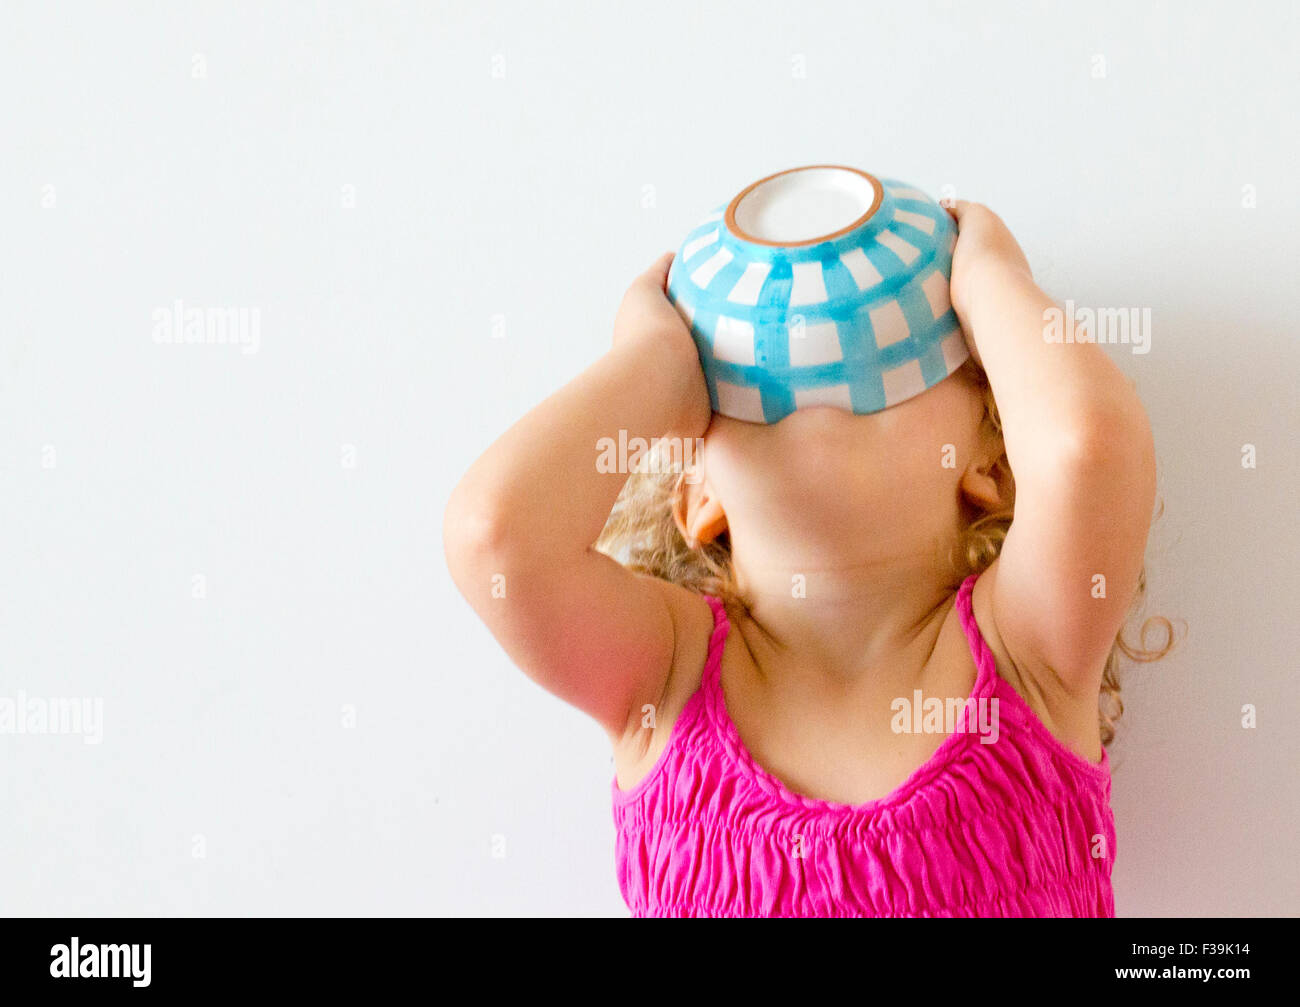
{"x":651,"y":328}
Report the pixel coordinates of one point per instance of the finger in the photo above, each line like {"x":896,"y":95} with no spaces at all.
{"x":957,"y":208}
{"x":658,"y":271}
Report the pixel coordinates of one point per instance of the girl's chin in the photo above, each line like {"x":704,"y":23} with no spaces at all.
{"x":808,"y":443}
{"x":829,"y":424}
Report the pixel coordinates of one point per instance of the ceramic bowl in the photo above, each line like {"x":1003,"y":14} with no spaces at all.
{"x":820,"y":286}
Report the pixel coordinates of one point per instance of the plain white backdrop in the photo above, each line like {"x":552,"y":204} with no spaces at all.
{"x":434,"y":210}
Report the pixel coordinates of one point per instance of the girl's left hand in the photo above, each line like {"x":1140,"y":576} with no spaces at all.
{"x":986,"y":253}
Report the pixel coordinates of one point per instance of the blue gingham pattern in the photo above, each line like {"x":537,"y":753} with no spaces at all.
{"x":861,"y":322}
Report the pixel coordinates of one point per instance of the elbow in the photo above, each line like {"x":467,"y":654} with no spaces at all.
{"x":1114,"y":444}
{"x":1118,"y":432}
{"x":475,"y":537}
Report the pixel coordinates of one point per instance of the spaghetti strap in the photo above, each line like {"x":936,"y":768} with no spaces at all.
{"x":986,"y":672}
{"x":711,"y":677}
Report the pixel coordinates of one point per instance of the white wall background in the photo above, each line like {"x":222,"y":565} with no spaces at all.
{"x":526,"y":196}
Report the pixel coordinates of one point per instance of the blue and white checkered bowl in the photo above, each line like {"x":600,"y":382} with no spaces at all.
{"x":820,"y":286}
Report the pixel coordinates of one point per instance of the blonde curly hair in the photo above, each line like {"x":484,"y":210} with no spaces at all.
{"x":642,"y":535}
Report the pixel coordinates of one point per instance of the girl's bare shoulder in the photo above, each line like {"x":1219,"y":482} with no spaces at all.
{"x":1071,"y":719}
{"x":636,"y":753}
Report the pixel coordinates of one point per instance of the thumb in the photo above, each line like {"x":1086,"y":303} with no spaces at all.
{"x":957,"y":208}
{"x":657,"y":274}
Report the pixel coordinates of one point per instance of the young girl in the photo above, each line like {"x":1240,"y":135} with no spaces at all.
{"x":794,"y":615}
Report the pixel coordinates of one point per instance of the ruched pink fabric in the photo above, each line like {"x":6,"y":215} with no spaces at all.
{"x":1018,"y":827}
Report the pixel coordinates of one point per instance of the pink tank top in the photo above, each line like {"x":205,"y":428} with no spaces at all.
{"x":1018,"y":827}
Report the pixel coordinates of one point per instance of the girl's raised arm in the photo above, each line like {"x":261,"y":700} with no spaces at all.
{"x":1080,"y":446}
{"x":520,"y":526}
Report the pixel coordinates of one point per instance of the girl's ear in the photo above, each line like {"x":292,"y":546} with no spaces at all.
{"x":986,"y":486}
{"x":697,"y":512}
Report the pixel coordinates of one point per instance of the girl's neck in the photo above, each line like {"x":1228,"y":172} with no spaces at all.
{"x":841,"y":618}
